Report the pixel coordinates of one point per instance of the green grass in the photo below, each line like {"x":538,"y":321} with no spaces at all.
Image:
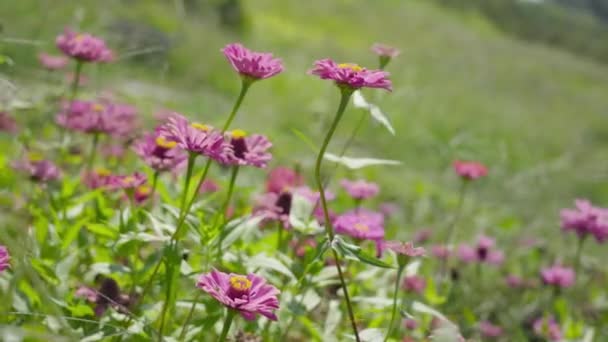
{"x":536,"y":116}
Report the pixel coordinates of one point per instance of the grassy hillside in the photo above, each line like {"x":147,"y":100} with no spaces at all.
{"x":535,"y":115}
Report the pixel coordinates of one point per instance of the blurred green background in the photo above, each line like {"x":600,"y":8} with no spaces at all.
{"x":519,"y":85}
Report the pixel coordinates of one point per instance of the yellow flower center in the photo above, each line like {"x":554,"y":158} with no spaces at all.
{"x":144,"y":190}
{"x":162,"y":142}
{"x":361,"y":227}
{"x":200,"y":127}
{"x":98,"y":107}
{"x":128,"y":180}
{"x":240,"y":283}
{"x":79,"y":37}
{"x":34,"y":156}
{"x":351,"y":66}
{"x":238,"y":133}
{"x":103,"y":172}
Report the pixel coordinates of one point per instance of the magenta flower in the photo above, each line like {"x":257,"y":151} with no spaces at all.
{"x":388,"y":209}
{"x":52,"y":62}
{"x":38,"y":169}
{"x":351,"y":75}
{"x":301,"y":246}
{"x":410,"y":324}
{"x":548,"y":328}
{"x":159,"y":153}
{"x":142,"y":193}
{"x":383,"y":50}
{"x":194,"y":137}
{"x":97,"y":178}
{"x":4,"y":258}
{"x":483,"y":252}
{"x":249,"y":295}
{"x":415,"y":284}
{"x":208,"y":186}
{"x":558,"y":276}
{"x":440,"y":251}
{"x":126,"y":182}
{"x":247,"y":150}
{"x":84,"y":47}
{"x":405,"y":248}
{"x":283,"y":179}
{"x":470,"y":170}
{"x":274,"y":207}
{"x":113,"y":150}
{"x":7,"y":123}
{"x":251,"y":64}
{"x":360,"y":189}
{"x":98,"y":117}
{"x":361,"y":224}
{"x":487,"y":329}
{"x":423,"y":235}
{"x":514,"y":281}
{"x":467,"y":254}
{"x":586,"y":219}
{"x":86,"y":293}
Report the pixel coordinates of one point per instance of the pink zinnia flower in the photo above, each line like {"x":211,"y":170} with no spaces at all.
{"x":7,"y":123}
{"x":488,"y":329}
{"x":209,"y":186}
{"x":142,"y":193}
{"x":469,"y":170}
{"x":251,"y":64}
{"x":126,"y":182}
{"x":410,"y":324}
{"x":361,"y":224}
{"x":360,"y":189}
{"x":405,"y":248}
{"x":283,"y":178}
{"x":52,"y":62}
{"x":274,"y":207}
{"x":86,"y":293}
{"x":194,"y":137}
{"x":383,"y":50}
{"x":586,"y":219}
{"x":4,"y":258}
{"x":467,"y":254}
{"x":558,"y":275}
{"x":38,"y":169}
{"x":246,"y":149}
{"x":249,"y":295}
{"x":83,"y":47}
{"x":97,"y":178}
{"x":414,"y":283}
{"x":548,"y":328}
{"x":98,"y":117}
{"x":423,"y":235}
{"x":351,"y":75}
{"x":514,"y":281}
{"x":388,"y":209}
{"x":440,"y":251}
{"x":159,"y":153}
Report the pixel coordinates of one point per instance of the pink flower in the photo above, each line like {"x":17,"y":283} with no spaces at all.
{"x":142,"y":193}
{"x":405,"y":248}
{"x":548,"y":328}
{"x":360,"y":189}
{"x":467,"y":254}
{"x":250,"y":294}
{"x":113,"y":150}
{"x":383,"y":50}
{"x":4,"y":258}
{"x":83,"y":80}
{"x":423,"y":235}
{"x":253,"y":65}
{"x":514,"y":281}
{"x":194,"y":137}
{"x":159,"y":153}
{"x":38,"y":169}
{"x":83,"y":47}
{"x":351,"y":75}
{"x":301,"y":246}
{"x":488,"y":329}
{"x":86,"y":293}
{"x":361,"y":224}
{"x":586,"y":219}
{"x":97,"y":178}
{"x":558,"y":275}
{"x":274,"y":207}
{"x":98,"y":117}
{"x":208,"y":186}
{"x":52,"y":62}
{"x":388,"y":209}
{"x":410,"y":324}
{"x":249,"y":150}
{"x":483,"y":252}
{"x":283,"y":178}
{"x":440,"y":251}
{"x":414,"y":283}
{"x":126,"y":182}
{"x":7,"y":123}
{"x":469,"y":170}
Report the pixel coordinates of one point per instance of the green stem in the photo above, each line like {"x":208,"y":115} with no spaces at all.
{"x":244,"y":88}
{"x":92,"y":154}
{"x":395,"y":296}
{"x":184,"y":214}
{"x":346,"y":94}
{"x":227,"y":323}
{"x":183,"y":211}
{"x":451,"y":228}
{"x":170,"y":284}
{"x":189,"y":317}
{"x":235,"y":171}
{"x":279,"y":237}
{"x":579,"y":250}
{"x":154,"y":183}
{"x":74,"y":90}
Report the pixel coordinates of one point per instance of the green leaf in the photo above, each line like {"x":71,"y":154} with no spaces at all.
{"x":45,"y":271}
{"x":354,"y":252}
{"x":102,"y":230}
{"x":300,"y":216}
{"x":358,"y":163}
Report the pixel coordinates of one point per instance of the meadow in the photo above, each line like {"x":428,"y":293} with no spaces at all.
{"x":484,"y":144}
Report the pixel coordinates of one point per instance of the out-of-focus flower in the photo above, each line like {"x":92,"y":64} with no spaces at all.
{"x":246,"y":149}
{"x":249,"y":295}
{"x":251,"y":64}
{"x":4,"y":258}
{"x":405,"y":248}
{"x":283,"y":179}
{"x":113,"y":150}
{"x":558,"y":275}
{"x":361,"y":224}
{"x":7,"y":123}
{"x":158,"y":152}
{"x":514,"y":281}
{"x":86,"y":293}
{"x":487,"y":329}
{"x":548,"y":328}
{"x":97,"y":178}
{"x":351,"y":75}
{"x":274,"y":207}
{"x":586,"y":219}
{"x":470,"y":170}
{"x":38,"y":169}
{"x":300,"y":246}
{"x":194,"y":137}
{"x":384,"y":50}
{"x":52,"y":62}
{"x":142,"y":193}
{"x":208,"y":186}
{"x":440,"y":251}
{"x":360,"y":189}
{"x":84,"y":47}
{"x":467,"y":253}
{"x":423,"y":235}
{"x":388,"y":209}
{"x":414,"y":283}
{"x":127,"y":182}
{"x":98,"y":117}
{"x":70,"y":78}
{"x":108,"y":296}
{"x":410,"y":324}
{"x":483,"y":252}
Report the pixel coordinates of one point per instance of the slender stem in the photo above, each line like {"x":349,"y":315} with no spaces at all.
{"x":395,"y":296}
{"x":74,"y":89}
{"x":244,"y":88}
{"x":189,"y":317}
{"x":183,"y":210}
{"x":184,"y":214}
{"x":346,"y":93}
{"x":154,"y":183}
{"x":279,"y":236}
{"x":579,"y":250}
{"x":227,"y":323}
{"x":235,"y":171}
{"x":451,"y":228}
{"x":92,"y":154}
{"x":163,"y":314}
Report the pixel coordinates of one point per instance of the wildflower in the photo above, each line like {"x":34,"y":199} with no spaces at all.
{"x":4,"y":258}
{"x":126,"y":182}
{"x":548,"y":328}
{"x":108,"y":296}
{"x":208,"y":186}
{"x":97,"y":178}
{"x":423,"y":235}
{"x":158,"y":152}
{"x":514,"y":281}
{"x":142,"y":193}
{"x":194,"y":137}
{"x":52,"y":62}
{"x":388,"y":209}
{"x":7,"y":123}
{"x":360,"y":189}
{"x":249,"y":150}
{"x":470,"y":170}
{"x":558,"y":276}
{"x":249,"y":295}
{"x":97,"y":117}
{"x":405,"y":248}
{"x":414,"y":283}
{"x":38,"y":169}
{"x":301,"y":246}
{"x":283,"y":179}
{"x":383,"y":50}
{"x":586,"y":219}
{"x":362,"y":224}
{"x":250,"y":64}
{"x":351,"y":76}
{"x":83,"y":47}
{"x":488,"y":329}
{"x":440,"y":251}
{"x":467,"y":254}
{"x":410,"y":324}
{"x":483,"y":252}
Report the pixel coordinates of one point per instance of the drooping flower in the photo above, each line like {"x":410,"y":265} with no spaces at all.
{"x":4,"y":258}
{"x":84,"y":47}
{"x":7,"y":123}
{"x":548,"y":328}
{"x":127,"y":182}
{"x":37,"y":168}
{"x":586,"y":219}
{"x":194,"y":137}
{"x":469,"y":170}
{"x":384,"y":50}
{"x":351,"y":75}
{"x":98,"y":117}
{"x":414,"y":284}
{"x":251,"y":64}
{"x":283,"y":179}
{"x":97,"y":178}
{"x":208,"y":186}
{"x":487,"y":329}
{"x":361,"y":224}
{"x":249,"y":295}
{"x":558,"y":276}
{"x":360,"y":189}
{"x":52,"y":62}
{"x":246,"y":149}
{"x":158,"y":152}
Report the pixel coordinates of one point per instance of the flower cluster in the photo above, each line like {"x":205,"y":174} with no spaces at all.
{"x":37,"y":168}
{"x":586,"y":219}
{"x":100,"y":116}
{"x":483,"y":252}
{"x":84,"y":47}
